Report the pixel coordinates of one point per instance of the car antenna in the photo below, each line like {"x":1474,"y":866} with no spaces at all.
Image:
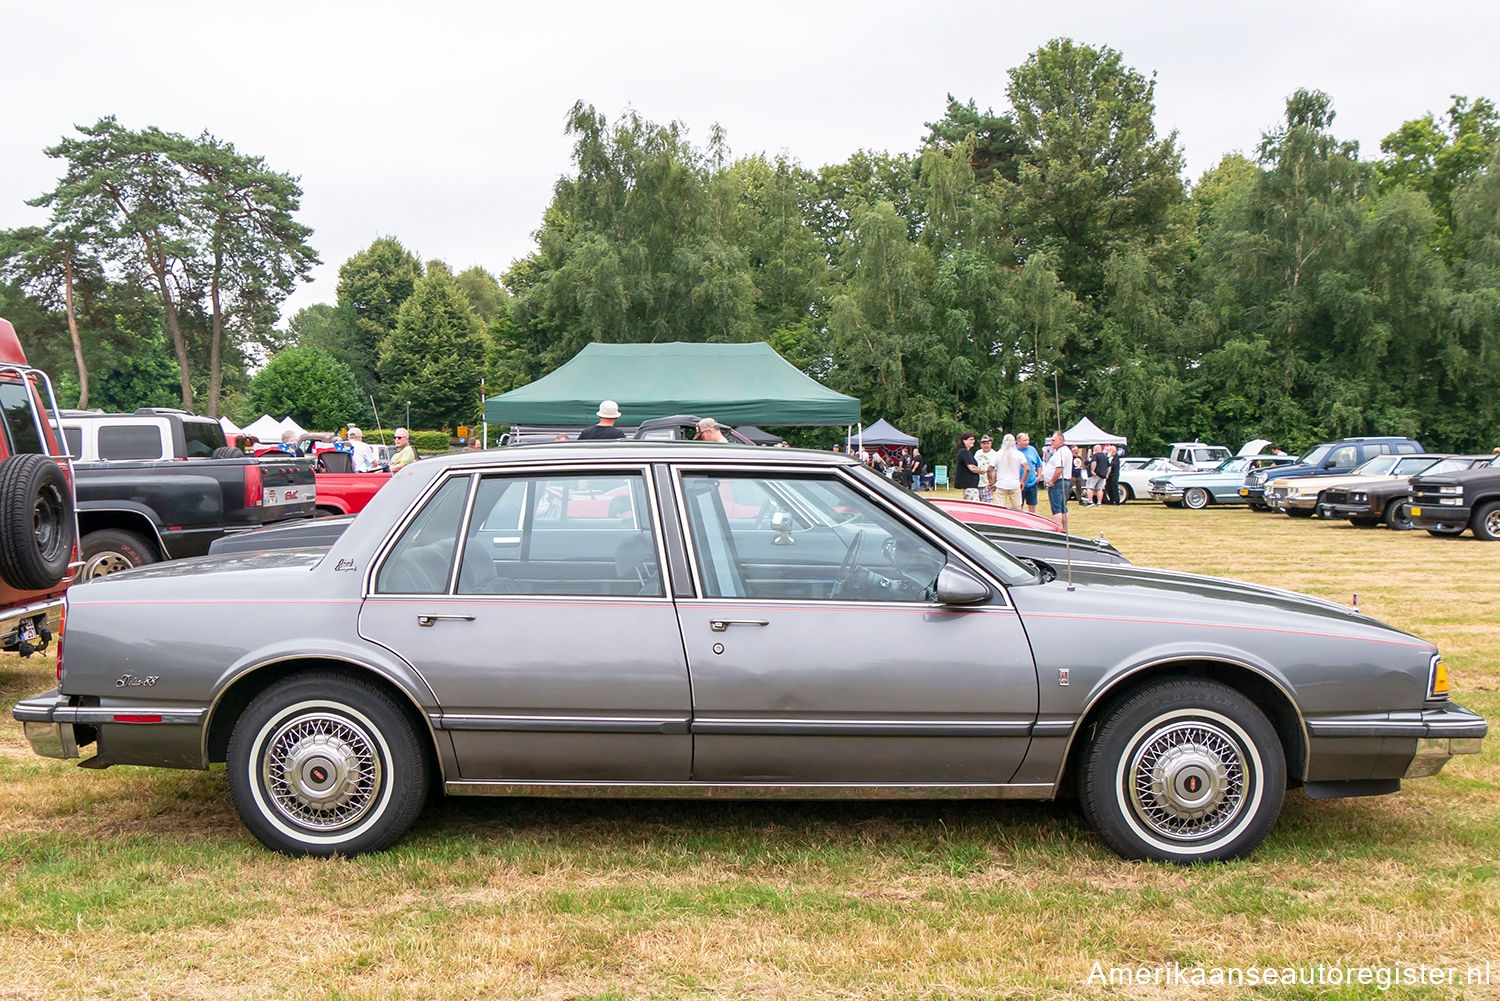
{"x":377,"y":416}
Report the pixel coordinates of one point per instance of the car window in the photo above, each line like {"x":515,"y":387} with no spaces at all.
{"x":421,"y":561}
{"x":21,"y":434}
{"x":202,"y":437}
{"x":563,"y":535}
{"x":74,"y":437}
{"x":1342,"y":457}
{"x":1412,"y":465}
{"x":129,"y":441}
{"x":840,"y":546}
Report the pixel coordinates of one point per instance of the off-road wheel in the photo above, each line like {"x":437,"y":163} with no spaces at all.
{"x":1183,"y":771}
{"x":110,"y":550}
{"x":1486,"y":522}
{"x":37,"y":525}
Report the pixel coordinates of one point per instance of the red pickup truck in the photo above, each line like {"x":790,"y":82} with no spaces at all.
{"x":347,"y":493}
{"x":38,"y":520}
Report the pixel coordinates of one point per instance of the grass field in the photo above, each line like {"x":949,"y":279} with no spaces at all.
{"x":137,"y":883}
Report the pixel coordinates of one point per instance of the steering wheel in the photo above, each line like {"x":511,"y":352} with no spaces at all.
{"x":846,"y":568}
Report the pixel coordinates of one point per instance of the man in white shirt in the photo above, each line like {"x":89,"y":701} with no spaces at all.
{"x":1056,"y":471}
{"x":364,"y":454}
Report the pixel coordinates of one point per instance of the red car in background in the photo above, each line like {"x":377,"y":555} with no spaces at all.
{"x":977,"y":513}
{"x":38,"y":517}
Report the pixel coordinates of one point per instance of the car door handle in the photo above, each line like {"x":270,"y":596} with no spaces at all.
{"x":428,"y":618}
{"x":719,"y":625}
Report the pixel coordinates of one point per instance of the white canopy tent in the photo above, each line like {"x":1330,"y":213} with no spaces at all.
{"x":1086,"y":432}
{"x":230,"y":429}
{"x":263,"y":428}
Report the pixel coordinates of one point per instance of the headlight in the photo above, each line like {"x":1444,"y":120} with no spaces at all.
{"x":1450,"y":490}
{"x":1451,"y":501}
{"x":1294,"y":491}
{"x":1358,"y":498}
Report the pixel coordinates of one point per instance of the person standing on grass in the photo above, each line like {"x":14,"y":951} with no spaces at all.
{"x":1055,"y":472}
{"x":1009,"y":469}
{"x":1112,"y":482}
{"x":1033,"y":470}
{"x":985,"y":460}
{"x":966,"y":468}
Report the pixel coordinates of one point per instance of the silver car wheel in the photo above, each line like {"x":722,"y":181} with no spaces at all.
{"x":321,"y":771}
{"x":1187,"y":781}
{"x":1195,"y":498}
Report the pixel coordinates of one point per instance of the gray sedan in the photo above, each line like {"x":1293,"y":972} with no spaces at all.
{"x":674,"y":619}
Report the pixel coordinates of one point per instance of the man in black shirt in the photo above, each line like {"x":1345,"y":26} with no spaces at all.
{"x":966,"y":468}
{"x":609,"y":412}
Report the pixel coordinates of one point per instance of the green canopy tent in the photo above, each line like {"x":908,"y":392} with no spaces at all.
{"x":732,"y":383}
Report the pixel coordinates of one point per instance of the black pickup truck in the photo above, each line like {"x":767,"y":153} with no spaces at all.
{"x":1447,"y":504}
{"x":134,"y":511}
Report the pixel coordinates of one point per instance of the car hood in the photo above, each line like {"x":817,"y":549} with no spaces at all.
{"x":1312,"y":484}
{"x":1200,"y":476}
{"x":1149,"y":593}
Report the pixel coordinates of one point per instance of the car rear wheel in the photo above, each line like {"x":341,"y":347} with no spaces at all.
{"x":1487,"y":522}
{"x":1397,"y":518}
{"x":37,"y":526}
{"x":1183,"y":771}
{"x":1445,"y":533}
{"x":1195,"y":498}
{"x":1300,"y":512}
{"x":110,"y":550}
{"x":322,"y":764}
{"x":1126,"y":493}
{"x":1257,"y":506}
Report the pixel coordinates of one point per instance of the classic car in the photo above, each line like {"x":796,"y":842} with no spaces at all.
{"x":1301,"y":496}
{"x":1220,"y":485}
{"x":1369,"y":502}
{"x":1329,"y":458}
{"x":1136,"y":472}
{"x":980,"y":513}
{"x":844,"y":639}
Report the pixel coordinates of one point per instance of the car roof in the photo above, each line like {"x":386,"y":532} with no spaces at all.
{"x":637,"y":450}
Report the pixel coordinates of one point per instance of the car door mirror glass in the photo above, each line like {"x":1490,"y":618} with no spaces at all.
{"x":957,"y":586}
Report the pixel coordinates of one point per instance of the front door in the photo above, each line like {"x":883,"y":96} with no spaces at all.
{"x":819,"y":653}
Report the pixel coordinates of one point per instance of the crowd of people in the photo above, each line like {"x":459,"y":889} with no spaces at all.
{"x":1013,"y":474}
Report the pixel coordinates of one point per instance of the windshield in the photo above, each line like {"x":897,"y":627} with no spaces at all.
{"x":1232,"y":465}
{"x":1317,"y":455}
{"x":1449,"y":466}
{"x":1380,"y":465}
{"x":1411,"y":465}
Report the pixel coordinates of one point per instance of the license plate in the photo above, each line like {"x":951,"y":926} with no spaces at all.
{"x":27,"y":629}
{"x":1416,"y":512}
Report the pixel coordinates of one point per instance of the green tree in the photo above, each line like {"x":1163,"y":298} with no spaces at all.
{"x":1437,"y":159}
{"x":309,"y":384}
{"x":435,"y":357}
{"x":51,"y":264}
{"x":989,"y":139}
{"x":373,"y":285}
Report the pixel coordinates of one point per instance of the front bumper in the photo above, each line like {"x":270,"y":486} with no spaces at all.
{"x":1438,"y":517}
{"x":1166,"y":494}
{"x":1347,"y":511}
{"x":1425,"y":741}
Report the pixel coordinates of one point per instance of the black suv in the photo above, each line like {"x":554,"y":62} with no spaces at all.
{"x":1448,"y":503}
{"x":1330,"y":457}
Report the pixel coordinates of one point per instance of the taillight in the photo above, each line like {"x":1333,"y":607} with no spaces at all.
{"x":62,"y":622}
{"x":252,"y":485}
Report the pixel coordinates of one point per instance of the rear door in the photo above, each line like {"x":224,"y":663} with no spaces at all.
{"x":533,"y":604}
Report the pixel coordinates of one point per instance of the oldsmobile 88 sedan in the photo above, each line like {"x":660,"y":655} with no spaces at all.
{"x":679,"y":619}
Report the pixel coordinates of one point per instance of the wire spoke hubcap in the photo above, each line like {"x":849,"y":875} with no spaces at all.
{"x":1188,"y":781}
{"x":321,"y":771}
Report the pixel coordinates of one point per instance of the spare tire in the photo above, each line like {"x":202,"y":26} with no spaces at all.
{"x":37,"y":524}
{"x":228,"y":452}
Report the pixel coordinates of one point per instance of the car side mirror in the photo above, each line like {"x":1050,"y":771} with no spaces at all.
{"x":957,"y":586}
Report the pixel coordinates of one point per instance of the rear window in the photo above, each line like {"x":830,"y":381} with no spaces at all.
{"x":130,"y":441}
{"x":202,"y":438}
{"x":21,"y":434}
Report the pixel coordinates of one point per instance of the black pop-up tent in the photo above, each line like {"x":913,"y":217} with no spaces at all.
{"x":759,"y":436}
{"x":732,"y":383}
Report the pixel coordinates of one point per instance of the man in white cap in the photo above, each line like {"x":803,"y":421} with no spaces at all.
{"x":364,"y":453}
{"x":708,"y":430}
{"x":605,"y":430}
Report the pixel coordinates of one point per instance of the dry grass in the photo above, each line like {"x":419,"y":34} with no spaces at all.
{"x":136,"y":883}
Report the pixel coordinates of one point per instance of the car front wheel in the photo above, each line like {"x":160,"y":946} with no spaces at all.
{"x":322,"y":764}
{"x":1487,"y":522}
{"x":1397,"y":518}
{"x":1183,"y":771}
{"x":1195,"y":498}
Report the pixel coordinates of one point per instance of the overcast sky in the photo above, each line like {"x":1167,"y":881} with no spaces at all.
{"x":440,"y":122}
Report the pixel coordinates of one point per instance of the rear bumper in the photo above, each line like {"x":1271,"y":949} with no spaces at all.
{"x":47,"y":738}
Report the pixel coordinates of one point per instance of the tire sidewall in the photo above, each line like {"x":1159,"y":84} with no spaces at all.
{"x":1195,"y":498}
{"x":1106,"y":781}
{"x":32,"y":481}
{"x":129,"y":546}
{"x":401,"y":787}
{"x":1482,"y":518}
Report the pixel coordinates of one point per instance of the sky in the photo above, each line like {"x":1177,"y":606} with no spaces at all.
{"x":440,"y":123}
